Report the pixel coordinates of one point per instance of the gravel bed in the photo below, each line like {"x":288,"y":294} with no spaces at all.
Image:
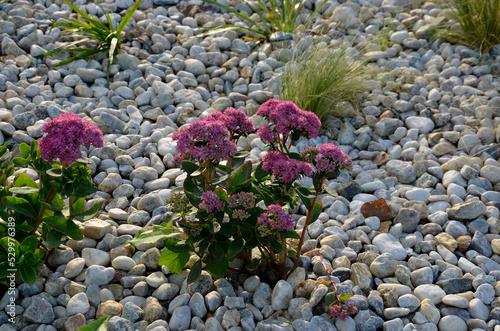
{"x":413,"y":232}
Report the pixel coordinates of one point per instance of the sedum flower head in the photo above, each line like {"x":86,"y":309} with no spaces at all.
{"x":327,"y":158}
{"x":211,"y":202}
{"x":267,"y":135}
{"x":205,"y":140}
{"x":281,"y":166}
{"x":235,"y":120}
{"x":65,"y":135}
{"x":273,"y":220}
{"x":287,"y":117}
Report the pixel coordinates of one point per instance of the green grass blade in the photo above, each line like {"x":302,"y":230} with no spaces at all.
{"x":128,"y":16}
{"x":312,"y":16}
{"x":268,"y":30}
{"x":230,"y":27}
{"x":112,"y":49}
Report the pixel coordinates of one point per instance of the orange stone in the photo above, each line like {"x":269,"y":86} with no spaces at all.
{"x":377,"y":208}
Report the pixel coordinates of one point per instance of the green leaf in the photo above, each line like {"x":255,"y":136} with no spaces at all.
{"x":23,"y":190}
{"x":99,"y":325}
{"x":330,"y":298}
{"x":191,"y":187}
{"x":89,"y":213}
{"x":219,"y":267}
{"x":128,"y":16}
{"x":49,"y":206}
{"x":175,"y":262}
{"x":289,"y":234}
{"x":64,"y":225}
{"x":315,"y":212}
{"x":151,"y":235}
{"x":29,"y":244}
{"x":195,"y":273}
{"x":305,"y":194}
{"x":224,"y":168}
{"x":28,"y":274}
{"x":235,"y":247}
{"x":330,"y":191}
{"x":217,"y":250}
{"x":260,"y":174}
{"x":55,"y":238}
{"x":343,"y":297}
{"x":253,"y":265}
{"x":20,"y":205}
{"x":24,"y":150}
{"x":19,"y":161}
{"x":173,"y":245}
{"x":275,"y":245}
{"x":190,"y":167}
{"x":55,"y":172}
{"x":240,"y":176}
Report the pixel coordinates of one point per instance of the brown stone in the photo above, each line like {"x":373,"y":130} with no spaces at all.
{"x":75,"y":322}
{"x":386,"y":113}
{"x":446,"y":240}
{"x":109,"y":308}
{"x":314,"y":252}
{"x":123,"y":250}
{"x":377,"y":208}
{"x":116,"y":289}
{"x":463,"y":243}
{"x":152,"y":309}
{"x":384,"y":226}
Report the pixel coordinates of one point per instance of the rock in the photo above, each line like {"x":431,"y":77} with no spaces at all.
{"x":281,"y":296}
{"x":39,"y":311}
{"x":181,"y":319}
{"x":78,"y":304}
{"x":452,"y":323}
{"x":423,"y":124}
{"x":404,"y":172}
{"x":377,"y":208}
{"x":361,"y":276}
{"x":467,"y":211}
{"x":387,"y":243}
{"x":383,"y":266}
{"x":409,"y":218}
{"x":429,"y":291}
{"x":75,"y":322}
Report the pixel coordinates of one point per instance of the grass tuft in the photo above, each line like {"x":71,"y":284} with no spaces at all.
{"x":325,"y":80}
{"x":474,"y":23}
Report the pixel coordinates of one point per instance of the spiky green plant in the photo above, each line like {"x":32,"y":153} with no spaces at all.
{"x":89,"y":30}
{"x":323,"y":80}
{"x":474,"y":23}
{"x":280,"y":17}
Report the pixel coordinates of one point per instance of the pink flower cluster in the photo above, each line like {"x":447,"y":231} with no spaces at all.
{"x":235,"y":120}
{"x":65,"y":135}
{"x":206,"y":139}
{"x":281,"y":166}
{"x":211,"y":202}
{"x":287,"y":117}
{"x":338,"y":311}
{"x":327,"y":158}
{"x":273,"y":220}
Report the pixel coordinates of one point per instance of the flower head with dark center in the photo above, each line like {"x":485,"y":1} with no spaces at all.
{"x":65,"y":135}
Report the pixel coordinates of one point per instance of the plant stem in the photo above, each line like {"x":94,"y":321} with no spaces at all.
{"x":304,"y":229}
{"x":39,"y":217}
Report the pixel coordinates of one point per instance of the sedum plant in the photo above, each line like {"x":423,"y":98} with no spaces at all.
{"x":474,"y":23}
{"x":106,"y":40}
{"x":279,"y":17}
{"x":234,"y":209}
{"x":323,"y":80}
{"x":38,"y":216}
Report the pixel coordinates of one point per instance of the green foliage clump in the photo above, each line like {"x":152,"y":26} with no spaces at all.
{"x":87,"y":30}
{"x":34,"y":216}
{"x":474,"y":23}
{"x":324,"y":80}
{"x":280,"y":17}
